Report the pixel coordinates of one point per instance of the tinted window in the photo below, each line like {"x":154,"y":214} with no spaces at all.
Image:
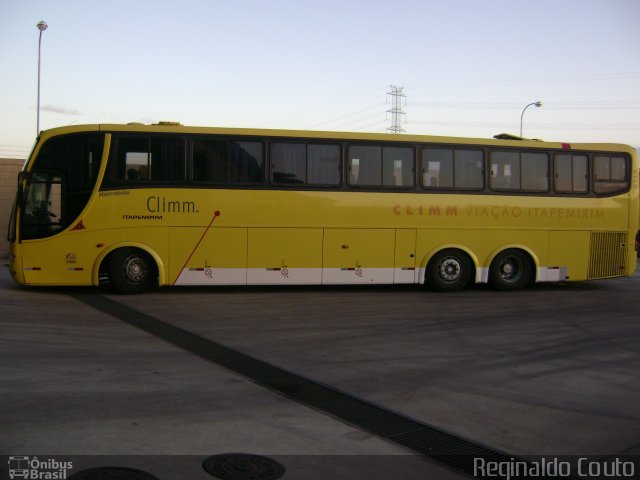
{"x":571,"y":173}
{"x":524,"y":171}
{"x":136,"y":157}
{"x":71,"y":164}
{"x":397,"y":167}
{"x":226,"y":162}
{"x":77,"y":157}
{"x":305,"y":164}
{"x":611,"y":174}
{"x":323,"y":164}
{"x":365,"y":166}
{"x":289,"y":163}
{"x":43,"y":207}
{"x":452,"y":169}
{"x":505,"y":171}
{"x":469,"y":169}
{"x":375,"y":166}
{"x":247,"y":162}
{"x":437,"y":168}
{"x":144,"y":159}
{"x":211,"y":161}
{"x":534,"y":168}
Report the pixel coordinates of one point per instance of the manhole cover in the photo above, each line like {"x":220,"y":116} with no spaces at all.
{"x":112,"y":473}
{"x":243,"y":466}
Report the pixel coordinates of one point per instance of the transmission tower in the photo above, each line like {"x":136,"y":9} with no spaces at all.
{"x":396,"y":109}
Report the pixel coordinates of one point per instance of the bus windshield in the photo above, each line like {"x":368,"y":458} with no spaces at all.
{"x":59,"y":184}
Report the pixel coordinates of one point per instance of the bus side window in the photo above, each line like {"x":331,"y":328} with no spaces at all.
{"x":365,"y":165}
{"x":452,"y":169}
{"x":571,"y":173}
{"x":211,"y":161}
{"x":288,"y":163}
{"x":526,"y":171}
{"x":505,"y":170}
{"x":535,"y":171}
{"x":397,"y":167}
{"x":469,"y":169}
{"x":246,"y":163}
{"x":376,"y":166}
{"x":157,"y":159}
{"x":166,"y":160}
{"x":437,"y":168}
{"x":324,"y":164}
{"x":133,"y":155}
{"x":610,"y":174}
{"x":224,"y":162}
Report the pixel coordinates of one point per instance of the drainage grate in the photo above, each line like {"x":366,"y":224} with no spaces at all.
{"x":243,"y":466}
{"x":112,"y":473}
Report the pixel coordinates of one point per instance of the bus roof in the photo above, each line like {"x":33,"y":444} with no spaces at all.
{"x":502,"y":140}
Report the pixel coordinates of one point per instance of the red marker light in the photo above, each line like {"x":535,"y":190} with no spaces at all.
{"x":566,"y":146}
{"x":79,"y":226}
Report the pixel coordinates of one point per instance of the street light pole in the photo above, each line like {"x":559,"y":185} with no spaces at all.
{"x":537,"y":104}
{"x":42,"y":26}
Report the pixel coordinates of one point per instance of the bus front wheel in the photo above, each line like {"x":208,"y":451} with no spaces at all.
{"x":449,"y":270}
{"x":510,"y":270}
{"x":131,"y":270}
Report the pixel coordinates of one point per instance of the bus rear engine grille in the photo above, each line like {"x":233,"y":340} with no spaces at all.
{"x":607,"y":255}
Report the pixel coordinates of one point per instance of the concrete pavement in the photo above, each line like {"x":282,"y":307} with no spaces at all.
{"x":552,"y":370}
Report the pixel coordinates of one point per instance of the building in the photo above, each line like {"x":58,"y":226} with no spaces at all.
{"x":9,"y":168}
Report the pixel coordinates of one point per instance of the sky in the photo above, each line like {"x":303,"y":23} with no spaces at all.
{"x":467,"y":67}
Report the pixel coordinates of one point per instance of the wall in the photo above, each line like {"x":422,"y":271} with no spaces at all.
{"x":9,"y":168}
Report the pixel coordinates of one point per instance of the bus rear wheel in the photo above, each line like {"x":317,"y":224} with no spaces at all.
{"x":131,"y":270}
{"x":449,"y":270}
{"x":510,"y":270}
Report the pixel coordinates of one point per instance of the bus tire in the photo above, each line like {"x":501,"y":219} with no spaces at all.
{"x":131,"y":270}
{"x":449,"y":270}
{"x":510,"y":270}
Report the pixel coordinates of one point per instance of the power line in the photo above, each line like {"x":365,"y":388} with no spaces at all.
{"x":326,"y":108}
{"x":602,"y":105}
{"x":352,"y":114}
{"x":527,"y":81}
{"x":554,"y":126}
{"x":368,"y":126}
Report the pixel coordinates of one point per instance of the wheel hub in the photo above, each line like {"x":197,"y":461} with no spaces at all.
{"x":134,"y":270}
{"x":450,"y":269}
{"x":508,"y":269}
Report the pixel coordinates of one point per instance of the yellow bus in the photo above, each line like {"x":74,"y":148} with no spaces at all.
{"x":139,"y":206}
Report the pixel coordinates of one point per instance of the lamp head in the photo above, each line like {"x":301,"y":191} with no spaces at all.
{"x":538,"y":104}
{"x":42,"y":25}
